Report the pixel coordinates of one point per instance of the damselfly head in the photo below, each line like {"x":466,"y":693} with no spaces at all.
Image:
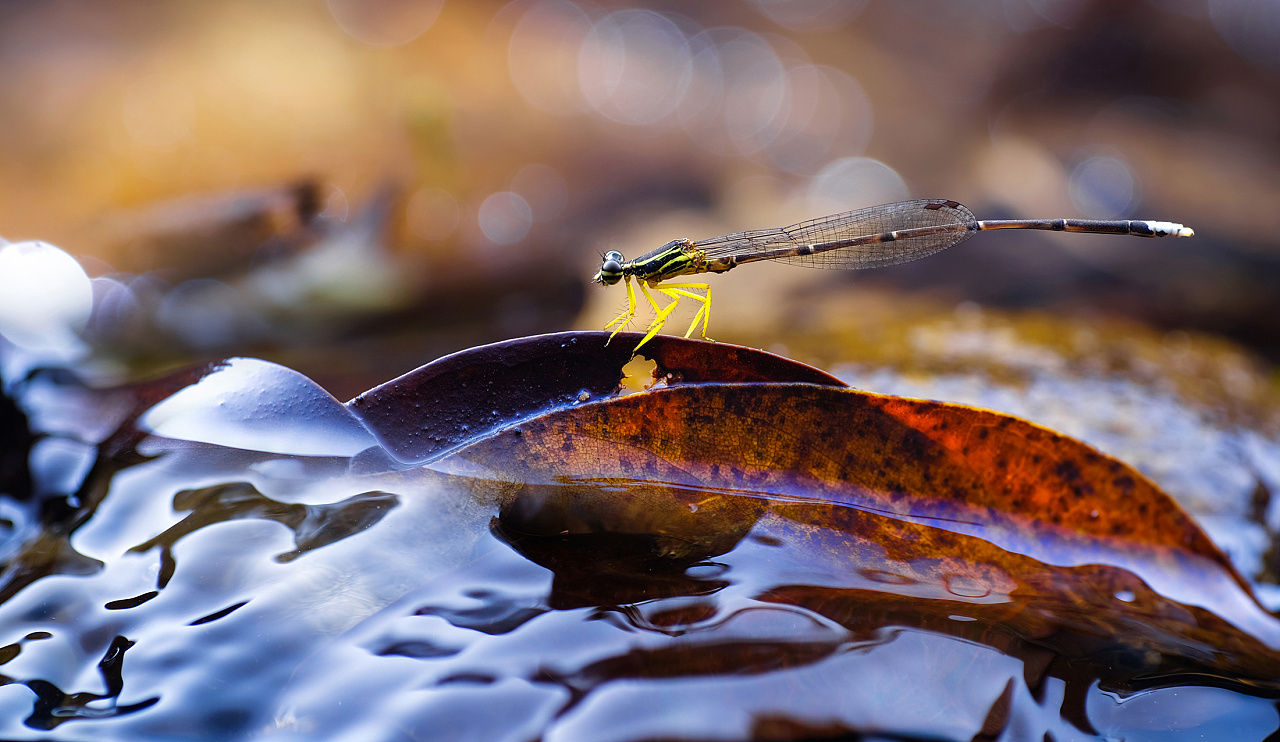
{"x":611,"y":270}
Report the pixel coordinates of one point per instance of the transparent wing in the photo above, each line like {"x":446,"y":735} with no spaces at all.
{"x":863,"y":224}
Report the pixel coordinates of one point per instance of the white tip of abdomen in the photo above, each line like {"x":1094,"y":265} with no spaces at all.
{"x":1170,"y":229}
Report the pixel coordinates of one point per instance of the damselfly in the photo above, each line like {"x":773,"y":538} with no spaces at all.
{"x":866,"y":238}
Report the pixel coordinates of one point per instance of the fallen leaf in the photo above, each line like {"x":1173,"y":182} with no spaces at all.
{"x":469,"y":394}
{"x":921,"y":508}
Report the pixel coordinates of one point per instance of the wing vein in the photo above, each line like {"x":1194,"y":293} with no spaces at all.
{"x":868,"y":222}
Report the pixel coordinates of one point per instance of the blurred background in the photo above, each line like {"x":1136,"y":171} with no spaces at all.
{"x":354,"y":188}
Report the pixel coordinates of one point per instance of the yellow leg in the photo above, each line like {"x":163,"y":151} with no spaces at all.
{"x":661,"y":317}
{"x":677,"y":291}
{"x":626,"y":316}
{"x":649,"y":296}
{"x":674,"y":290}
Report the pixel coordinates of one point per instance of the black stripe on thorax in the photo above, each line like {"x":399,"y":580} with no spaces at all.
{"x":670,"y":260}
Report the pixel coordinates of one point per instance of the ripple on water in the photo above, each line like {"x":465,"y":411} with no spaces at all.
{"x":214,"y":590}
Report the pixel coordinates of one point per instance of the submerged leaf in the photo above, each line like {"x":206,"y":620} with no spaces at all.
{"x":921,"y":508}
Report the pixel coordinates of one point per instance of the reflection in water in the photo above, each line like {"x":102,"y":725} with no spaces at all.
{"x":46,"y":299}
{"x":210,"y":592}
{"x":53,"y":706}
{"x":313,"y":525}
{"x":592,"y":645}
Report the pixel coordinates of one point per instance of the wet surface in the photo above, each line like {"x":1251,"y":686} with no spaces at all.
{"x":719,"y":649}
{"x":314,"y":587}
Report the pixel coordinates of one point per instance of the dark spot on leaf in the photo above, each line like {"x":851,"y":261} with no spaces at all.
{"x":1067,"y":470}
